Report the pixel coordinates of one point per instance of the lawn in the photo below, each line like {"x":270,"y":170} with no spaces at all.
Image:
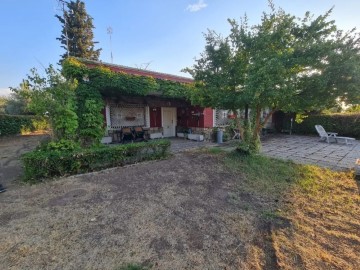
{"x":205,"y":209}
{"x":315,"y":223}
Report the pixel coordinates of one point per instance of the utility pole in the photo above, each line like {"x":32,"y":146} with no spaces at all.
{"x":62,"y":8}
{"x":110,"y":31}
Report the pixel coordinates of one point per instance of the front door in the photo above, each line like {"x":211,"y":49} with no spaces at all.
{"x":169,"y":121}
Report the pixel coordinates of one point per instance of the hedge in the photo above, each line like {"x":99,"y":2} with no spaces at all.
{"x":40,"y":164}
{"x":16,"y":124}
{"x":344,"y":124}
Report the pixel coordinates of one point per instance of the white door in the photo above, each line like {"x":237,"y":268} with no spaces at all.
{"x":169,"y":121}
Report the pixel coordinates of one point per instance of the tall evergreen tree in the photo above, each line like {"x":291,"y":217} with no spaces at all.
{"x":77,"y":32}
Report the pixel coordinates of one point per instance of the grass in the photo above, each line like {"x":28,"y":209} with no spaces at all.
{"x":261,"y":174}
{"x":215,"y":150}
{"x":322,"y":208}
{"x":132,"y":266}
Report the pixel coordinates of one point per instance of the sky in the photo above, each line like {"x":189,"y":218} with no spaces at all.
{"x":160,"y":35}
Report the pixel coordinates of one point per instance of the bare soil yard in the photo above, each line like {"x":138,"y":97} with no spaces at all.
{"x":175,"y":214}
{"x":196,"y":210}
{"x":11,"y":148}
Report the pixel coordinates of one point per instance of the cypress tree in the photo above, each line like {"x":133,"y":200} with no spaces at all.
{"x":77,"y":32}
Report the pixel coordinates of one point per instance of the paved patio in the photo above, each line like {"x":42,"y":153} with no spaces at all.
{"x":300,"y":149}
{"x":309,"y":150}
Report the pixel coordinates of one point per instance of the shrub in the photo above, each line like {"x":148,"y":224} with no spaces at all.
{"x":16,"y":124}
{"x":344,"y":124}
{"x":41,"y":164}
{"x":60,"y":146}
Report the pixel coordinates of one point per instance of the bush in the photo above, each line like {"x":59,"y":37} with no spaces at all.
{"x":16,"y":124}
{"x":41,"y":164}
{"x":60,"y":146}
{"x":344,"y":124}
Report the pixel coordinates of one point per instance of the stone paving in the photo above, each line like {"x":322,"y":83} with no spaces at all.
{"x":300,"y":149}
{"x":309,"y":150}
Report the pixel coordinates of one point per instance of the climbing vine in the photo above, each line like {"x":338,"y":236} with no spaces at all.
{"x":89,"y":106}
{"x":100,"y":80}
{"x":105,"y":81}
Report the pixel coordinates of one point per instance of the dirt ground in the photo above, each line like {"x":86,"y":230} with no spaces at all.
{"x":179,"y":213}
{"x":187,"y":212}
{"x":11,"y":149}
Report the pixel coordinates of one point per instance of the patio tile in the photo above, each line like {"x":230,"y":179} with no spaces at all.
{"x":308,"y":150}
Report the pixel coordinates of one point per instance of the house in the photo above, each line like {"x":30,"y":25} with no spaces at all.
{"x":152,"y":100}
{"x":162,"y":115}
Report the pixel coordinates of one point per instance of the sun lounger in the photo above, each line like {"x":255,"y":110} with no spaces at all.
{"x":328,"y":136}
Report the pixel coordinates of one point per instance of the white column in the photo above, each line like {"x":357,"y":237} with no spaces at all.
{"x":147,"y":116}
{"x":108,"y":119}
{"x":214,"y":117}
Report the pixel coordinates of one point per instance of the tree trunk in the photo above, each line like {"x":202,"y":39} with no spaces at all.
{"x":268,"y":116}
{"x":257,"y":122}
{"x":238,"y":124}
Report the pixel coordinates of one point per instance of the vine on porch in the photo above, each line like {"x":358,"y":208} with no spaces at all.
{"x":94,"y":81}
{"x":105,"y":80}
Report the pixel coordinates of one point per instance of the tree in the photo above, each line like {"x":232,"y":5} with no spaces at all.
{"x":77,"y":32}
{"x":54,"y":97}
{"x":19,"y":99}
{"x":3,"y":104}
{"x":283,"y":63}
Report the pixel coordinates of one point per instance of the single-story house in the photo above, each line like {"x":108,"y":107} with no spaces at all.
{"x":161,"y":115}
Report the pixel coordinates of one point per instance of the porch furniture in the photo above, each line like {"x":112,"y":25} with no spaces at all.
{"x":195,"y":137}
{"x":127,"y":134}
{"x":139,"y":133}
{"x":331,"y":135}
{"x":115,"y":135}
{"x":157,"y":135}
{"x":236,"y":134}
{"x":181,"y":135}
{"x":106,"y":140}
{"x":146,"y":133}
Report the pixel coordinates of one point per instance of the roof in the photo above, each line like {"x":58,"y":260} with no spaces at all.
{"x":137,"y":71}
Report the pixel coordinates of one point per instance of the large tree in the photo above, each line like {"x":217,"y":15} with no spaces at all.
{"x":283,"y":63}
{"x":77,"y":31}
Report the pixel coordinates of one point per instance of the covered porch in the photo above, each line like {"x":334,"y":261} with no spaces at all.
{"x":156,"y":116}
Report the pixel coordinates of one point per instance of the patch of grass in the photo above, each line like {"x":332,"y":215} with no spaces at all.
{"x":132,"y":266}
{"x":215,"y":150}
{"x":270,"y":215}
{"x":263,"y":174}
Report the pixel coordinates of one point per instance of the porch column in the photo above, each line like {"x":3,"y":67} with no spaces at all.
{"x":214,"y":117}
{"x":107,"y":115}
{"x":147,"y":116}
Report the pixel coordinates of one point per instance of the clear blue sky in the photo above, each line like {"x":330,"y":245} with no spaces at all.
{"x":166,"y":33}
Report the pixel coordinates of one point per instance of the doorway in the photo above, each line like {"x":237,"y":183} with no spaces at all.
{"x":169,"y":121}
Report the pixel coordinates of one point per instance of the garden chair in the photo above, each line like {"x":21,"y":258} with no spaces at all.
{"x":139,"y":133}
{"x":127,"y":134}
{"x":236,"y":134}
{"x":331,"y":135}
